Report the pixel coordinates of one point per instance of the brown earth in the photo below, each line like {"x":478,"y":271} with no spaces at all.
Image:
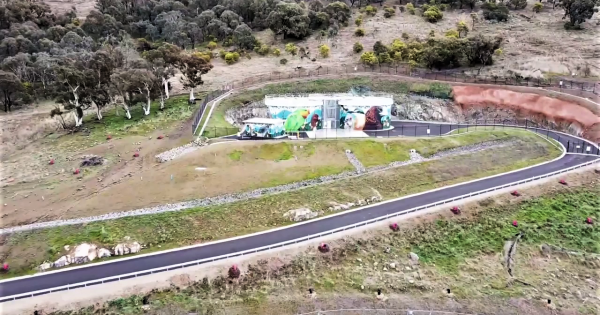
{"x":552,"y":109}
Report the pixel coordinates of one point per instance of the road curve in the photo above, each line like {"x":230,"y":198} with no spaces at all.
{"x":9,"y":288}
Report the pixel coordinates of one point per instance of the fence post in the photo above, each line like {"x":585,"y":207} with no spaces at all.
{"x":568,"y":145}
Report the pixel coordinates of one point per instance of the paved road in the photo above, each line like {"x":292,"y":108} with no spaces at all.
{"x":94,"y":272}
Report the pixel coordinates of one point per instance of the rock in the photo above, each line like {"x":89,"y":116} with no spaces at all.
{"x":67,"y":247}
{"x":84,"y":253}
{"x":62,"y":261}
{"x":362,"y":287}
{"x":407,"y":268}
{"x":127,"y":248}
{"x":300,"y":214}
{"x":135,"y":247}
{"x":414,"y":258}
{"x":385,"y":269}
{"x":358,"y":259}
{"x":546,"y":250}
{"x":393,"y":265}
{"x":92,"y":160}
{"x":103,"y":252}
{"x":375,"y":264}
{"x":45,"y":266}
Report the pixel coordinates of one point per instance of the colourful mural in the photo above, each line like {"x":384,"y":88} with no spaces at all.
{"x":375,"y":118}
{"x":302,"y":119}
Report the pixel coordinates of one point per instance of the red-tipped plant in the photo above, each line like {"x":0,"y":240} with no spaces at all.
{"x":76,"y":171}
{"x":515,"y":223}
{"x":136,"y":154}
{"x":108,"y":137}
{"x":234,"y":272}
{"x":160,"y":137}
{"x":51,"y":162}
{"x":394,"y":227}
{"x":562,"y":182}
{"x":323,"y":248}
{"x":515,"y":193}
{"x":455,"y":210}
{"x":589,"y":221}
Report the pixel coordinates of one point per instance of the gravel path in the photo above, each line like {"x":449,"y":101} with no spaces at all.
{"x":229,"y":198}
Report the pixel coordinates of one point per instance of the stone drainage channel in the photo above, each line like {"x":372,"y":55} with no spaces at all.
{"x":229,"y":198}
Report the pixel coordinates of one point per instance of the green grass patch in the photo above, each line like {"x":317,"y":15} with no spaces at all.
{"x":218,"y":125}
{"x":176,"y":229}
{"x":275,"y":152}
{"x":236,"y":155}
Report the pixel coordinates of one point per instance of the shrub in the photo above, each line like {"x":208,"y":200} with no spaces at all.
{"x":222,"y":54}
{"x":410,"y":8}
{"x":276,"y":52}
{"x":369,"y":58}
{"x":389,"y":12}
{"x":230,"y":58}
{"x":443,"y":7}
{"x":462,"y":29}
{"x":493,"y":11}
{"x":228,"y":42}
{"x":379,"y":48}
{"x":431,"y":33}
{"x":359,"y":32}
{"x":498,"y":52}
{"x":405,"y":35}
{"x":452,"y":33}
{"x":291,"y":49}
{"x":517,"y":4}
{"x":537,"y":7}
{"x":262,"y":50}
{"x":370,"y":10}
{"x":397,"y":56}
{"x":206,"y":55}
{"x":283,"y":61}
{"x":385,"y":58}
{"x":358,"y":47}
{"x":398,"y":46}
{"x":433,"y":14}
{"x":211,"y":45}
{"x":358,"y":22}
{"x":324,"y":51}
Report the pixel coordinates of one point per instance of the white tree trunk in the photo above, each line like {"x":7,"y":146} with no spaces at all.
{"x":147,"y":107}
{"x":192,"y":98}
{"x":127,"y":113}
{"x":99,"y":114}
{"x":166,"y":84}
{"x":162,"y":102}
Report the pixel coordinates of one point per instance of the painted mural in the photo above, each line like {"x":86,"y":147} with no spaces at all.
{"x":364,"y":118}
{"x":303,"y":119}
{"x":262,"y":131}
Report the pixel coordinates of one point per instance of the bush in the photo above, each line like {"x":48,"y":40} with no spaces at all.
{"x":379,"y":48}
{"x":410,"y":8}
{"x":359,"y":32}
{"x":222,"y":54}
{"x":324,"y":51}
{"x":443,"y":7}
{"x":262,"y":50}
{"x":276,"y":52}
{"x":397,"y":56}
{"x":405,"y":35}
{"x":369,"y":58}
{"x":462,"y":29}
{"x":211,"y":45}
{"x":517,"y":4}
{"x":402,"y":8}
{"x":452,"y":33}
{"x":228,"y":42}
{"x":358,"y":22}
{"x":493,"y":11}
{"x":232,"y":57}
{"x":291,"y":49}
{"x":370,"y":10}
{"x":537,"y":7}
{"x":358,"y":47}
{"x":498,"y":52}
{"x":283,"y":61}
{"x":389,"y":12}
{"x":433,"y":14}
{"x":385,"y":58}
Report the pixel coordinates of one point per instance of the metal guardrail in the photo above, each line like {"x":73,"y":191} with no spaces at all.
{"x":389,"y":311}
{"x":295,"y":241}
{"x":202,"y":109}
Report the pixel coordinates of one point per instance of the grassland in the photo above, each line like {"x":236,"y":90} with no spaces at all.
{"x":218,"y":125}
{"x":459,"y":253}
{"x":170,"y":230}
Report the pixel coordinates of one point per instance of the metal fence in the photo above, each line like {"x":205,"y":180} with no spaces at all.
{"x":404,"y":70}
{"x":381,"y":311}
{"x":290,"y":242}
{"x":202,"y":108}
{"x":420,"y":129}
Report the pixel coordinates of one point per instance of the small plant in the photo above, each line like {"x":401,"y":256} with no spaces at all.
{"x":222,"y":54}
{"x":431,"y":33}
{"x":359,"y":32}
{"x":234,"y":272}
{"x":410,"y":8}
{"x":370,"y":10}
{"x":455,"y":210}
{"x":211,"y":45}
{"x":517,"y":4}
{"x":402,"y":8}
{"x":283,"y":61}
{"x":358,"y":22}
{"x":433,"y":14}
{"x":291,"y":49}
{"x":262,"y":50}
{"x":232,"y":57}
{"x":276,"y":52}
{"x":324,"y":51}
{"x":562,"y":182}
{"x":394,"y":227}
{"x":358,"y":47}
{"x":443,"y":7}
{"x":498,"y":52}
{"x":405,"y":35}
{"x":537,"y":7}
{"x":397,"y":56}
{"x":462,"y":28}
{"x":385,"y":58}
{"x":452,"y":33}
{"x":389,"y":12}
{"x":369,"y":58}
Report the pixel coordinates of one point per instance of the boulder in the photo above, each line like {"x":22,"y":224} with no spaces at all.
{"x":103,"y":252}
{"x":63,"y":261}
{"x":414,"y":258}
{"x":45,"y":266}
{"x":84,"y":253}
{"x":91,"y":160}
{"x":300,"y":214}
{"x":127,"y":248}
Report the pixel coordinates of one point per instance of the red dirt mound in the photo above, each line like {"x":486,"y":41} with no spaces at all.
{"x":534,"y":104}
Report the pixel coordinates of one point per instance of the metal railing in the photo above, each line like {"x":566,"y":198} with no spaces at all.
{"x":199,"y":114}
{"x":290,"y":242}
{"x":383,"y":311}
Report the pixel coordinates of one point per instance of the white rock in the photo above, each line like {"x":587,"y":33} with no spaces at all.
{"x":300,"y":214}
{"x":385,"y":269}
{"x":45,"y":266}
{"x":135,"y":247}
{"x":103,"y":252}
{"x":393,"y":265}
{"x":414,"y":258}
{"x":67,"y":247}
{"x":120,"y":249}
{"x":84,"y":253}
{"x":62,"y":261}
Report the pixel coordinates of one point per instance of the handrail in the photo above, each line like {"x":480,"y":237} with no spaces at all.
{"x":290,"y":242}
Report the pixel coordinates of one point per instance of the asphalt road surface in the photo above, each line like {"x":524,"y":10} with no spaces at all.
{"x":116,"y":268}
